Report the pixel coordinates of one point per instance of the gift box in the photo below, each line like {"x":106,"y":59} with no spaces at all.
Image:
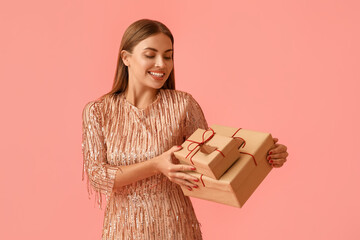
{"x":240,"y":181}
{"x":211,"y":154}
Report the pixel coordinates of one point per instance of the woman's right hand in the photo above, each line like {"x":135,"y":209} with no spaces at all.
{"x":166,"y":164}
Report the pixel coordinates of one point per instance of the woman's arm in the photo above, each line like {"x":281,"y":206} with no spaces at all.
{"x":161,"y":164}
{"x":100,"y":175}
{"x":134,"y":172}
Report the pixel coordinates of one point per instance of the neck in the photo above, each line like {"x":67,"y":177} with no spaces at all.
{"x":140,"y":98}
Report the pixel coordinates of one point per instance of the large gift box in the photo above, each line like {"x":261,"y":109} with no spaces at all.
{"x":240,"y":181}
{"x":210,"y":153}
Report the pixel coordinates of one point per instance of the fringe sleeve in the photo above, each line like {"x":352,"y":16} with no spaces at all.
{"x":194,"y":118}
{"x":100,"y":174}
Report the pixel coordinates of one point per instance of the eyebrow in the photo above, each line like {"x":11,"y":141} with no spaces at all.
{"x":156,"y":49}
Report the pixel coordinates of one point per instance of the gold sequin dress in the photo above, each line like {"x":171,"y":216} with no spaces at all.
{"x":116,"y":133}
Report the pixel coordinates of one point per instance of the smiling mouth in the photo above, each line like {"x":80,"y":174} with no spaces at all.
{"x":155,"y":74}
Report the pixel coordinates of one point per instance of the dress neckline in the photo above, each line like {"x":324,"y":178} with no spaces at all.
{"x":158,"y":97}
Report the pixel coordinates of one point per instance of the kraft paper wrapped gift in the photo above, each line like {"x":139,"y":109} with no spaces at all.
{"x":211,"y":154}
{"x":240,"y":181}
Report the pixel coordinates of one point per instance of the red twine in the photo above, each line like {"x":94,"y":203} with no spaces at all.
{"x":202,"y":180}
{"x":239,"y":138}
{"x":198,"y":144}
{"x":244,"y":146}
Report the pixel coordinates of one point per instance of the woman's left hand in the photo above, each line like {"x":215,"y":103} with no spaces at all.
{"x":277,"y":154}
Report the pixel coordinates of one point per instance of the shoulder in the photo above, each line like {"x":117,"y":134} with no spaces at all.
{"x":92,"y":106}
{"x":93,"y":109}
{"x":100,"y":105}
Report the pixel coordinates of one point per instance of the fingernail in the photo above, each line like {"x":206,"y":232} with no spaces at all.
{"x":179,"y":146}
{"x":196,"y":180}
{"x":193,"y":168}
{"x":269,"y":158}
{"x":195,"y":186}
{"x":270,"y":152}
{"x":271,"y":161}
{"x":189,"y":188}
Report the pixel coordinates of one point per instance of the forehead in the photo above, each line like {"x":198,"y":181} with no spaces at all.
{"x":159,"y":41}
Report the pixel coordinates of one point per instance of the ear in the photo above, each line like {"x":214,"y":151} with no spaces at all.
{"x":125,"y":55}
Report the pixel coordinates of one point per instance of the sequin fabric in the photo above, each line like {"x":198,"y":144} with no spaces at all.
{"x":115,"y":134}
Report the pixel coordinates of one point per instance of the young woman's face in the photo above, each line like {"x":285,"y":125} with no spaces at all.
{"x":151,"y":62}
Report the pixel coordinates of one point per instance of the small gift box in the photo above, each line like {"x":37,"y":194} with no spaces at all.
{"x":240,"y":181}
{"x":212,"y":154}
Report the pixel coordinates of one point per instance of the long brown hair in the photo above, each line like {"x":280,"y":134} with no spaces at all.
{"x":135,"y":33}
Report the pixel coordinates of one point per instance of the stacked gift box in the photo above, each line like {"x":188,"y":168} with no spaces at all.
{"x":230,"y":163}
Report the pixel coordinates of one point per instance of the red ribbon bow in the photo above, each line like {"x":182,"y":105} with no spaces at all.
{"x":198,"y":144}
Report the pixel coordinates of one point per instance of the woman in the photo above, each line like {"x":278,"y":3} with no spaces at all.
{"x":130,"y":134}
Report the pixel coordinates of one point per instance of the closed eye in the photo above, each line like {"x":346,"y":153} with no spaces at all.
{"x":168,"y":58}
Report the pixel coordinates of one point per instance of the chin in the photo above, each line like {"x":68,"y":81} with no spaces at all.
{"x":157,"y":85}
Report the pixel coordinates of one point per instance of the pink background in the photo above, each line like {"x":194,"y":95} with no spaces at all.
{"x":286,"y":67}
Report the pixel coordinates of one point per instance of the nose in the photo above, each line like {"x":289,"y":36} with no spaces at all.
{"x":159,"y":62}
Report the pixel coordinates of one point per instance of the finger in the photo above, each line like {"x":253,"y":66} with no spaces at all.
{"x":282,"y":148}
{"x":277,"y":148}
{"x":188,"y":177}
{"x":275,"y":140}
{"x":185,"y":183}
{"x":181,"y":182}
{"x":277,"y":155}
{"x":277,"y":165}
{"x":184,"y":176}
{"x":174,"y":149}
{"x":173,"y":175}
{"x":272,"y":148}
{"x":277,"y":161}
{"x":182,"y":168}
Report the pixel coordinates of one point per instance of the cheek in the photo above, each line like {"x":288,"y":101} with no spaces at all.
{"x":147,"y":65}
{"x":143,"y":64}
{"x":170,"y":66}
